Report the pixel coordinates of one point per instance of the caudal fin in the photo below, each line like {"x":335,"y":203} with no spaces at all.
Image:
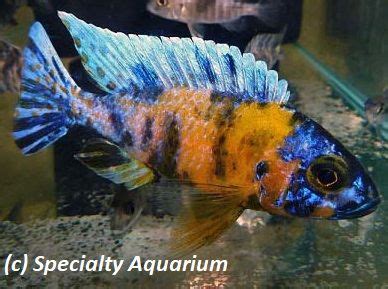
{"x":43,"y":113}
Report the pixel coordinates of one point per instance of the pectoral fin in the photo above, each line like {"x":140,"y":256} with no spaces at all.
{"x":203,"y":218}
{"x":113,"y":163}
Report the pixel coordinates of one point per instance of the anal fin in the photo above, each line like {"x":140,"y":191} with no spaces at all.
{"x":111,"y":162}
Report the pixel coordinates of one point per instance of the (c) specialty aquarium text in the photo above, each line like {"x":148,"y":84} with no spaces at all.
{"x":108,"y":264}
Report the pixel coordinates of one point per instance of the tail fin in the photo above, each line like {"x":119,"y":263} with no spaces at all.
{"x":43,"y":113}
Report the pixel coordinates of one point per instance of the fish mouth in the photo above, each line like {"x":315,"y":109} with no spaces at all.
{"x":361,"y":211}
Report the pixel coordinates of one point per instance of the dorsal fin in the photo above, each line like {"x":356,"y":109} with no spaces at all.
{"x":145,"y":66}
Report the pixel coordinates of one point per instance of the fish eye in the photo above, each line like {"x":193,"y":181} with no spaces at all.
{"x":162,"y":2}
{"x":327,"y":177}
{"x":328,"y":174}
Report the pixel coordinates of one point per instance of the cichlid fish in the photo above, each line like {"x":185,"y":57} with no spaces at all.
{"x":10,"y":67}
{"x":194,"y":112}
{"x":197,"y":12}
{"x":266,"y":47}
{"x":376,"y":109}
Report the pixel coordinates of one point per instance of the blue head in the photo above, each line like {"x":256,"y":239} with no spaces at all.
{"x":330,"y":182}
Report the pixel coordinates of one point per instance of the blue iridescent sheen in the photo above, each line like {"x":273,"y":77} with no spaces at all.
{"x":144,"y":66}
{"x":140,"y":69}
{"x":44,"y":108}
{"x":205,"y":64}
{"x":308,"y":142}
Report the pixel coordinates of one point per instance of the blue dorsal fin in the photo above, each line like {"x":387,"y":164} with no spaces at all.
{"x":145,"y":66}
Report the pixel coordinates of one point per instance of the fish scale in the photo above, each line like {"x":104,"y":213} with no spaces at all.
{"x":214,"y":122}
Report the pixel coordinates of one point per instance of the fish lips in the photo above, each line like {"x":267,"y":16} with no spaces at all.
{"x":365,"y":209}
{"x":363,"y":189}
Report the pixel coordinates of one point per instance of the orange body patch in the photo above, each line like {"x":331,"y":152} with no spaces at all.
{"x":219,"y":143}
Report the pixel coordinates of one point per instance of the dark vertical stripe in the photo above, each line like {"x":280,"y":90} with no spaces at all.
{"x":171,"y":143}
{"x":147,"y":133}
{"x":127,"y":139}
{"x":116,"y":119}
{"x":220,"y":152}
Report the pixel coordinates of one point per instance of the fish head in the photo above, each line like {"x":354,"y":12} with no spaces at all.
{"x":374,"y":109}
{"x":169,"y":9}
{"x":324,"y":181}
